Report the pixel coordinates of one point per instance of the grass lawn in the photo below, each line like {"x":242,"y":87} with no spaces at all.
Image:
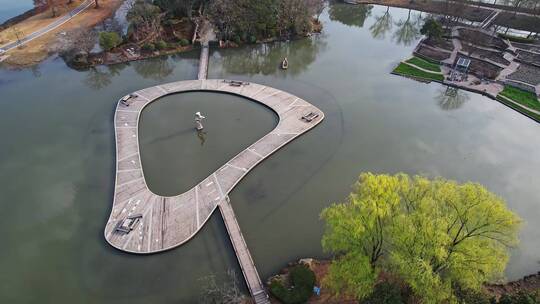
{"x":425,"y":64}
{"x":519,"y":109}
{"x":516,"y":38}
{"x":407,"y":70}
{"x":522,"y":97}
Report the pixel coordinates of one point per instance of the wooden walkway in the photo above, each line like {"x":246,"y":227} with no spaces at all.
{"x":168,"y":222}
{"x":203,"y":61}
{"x":253,"y":281}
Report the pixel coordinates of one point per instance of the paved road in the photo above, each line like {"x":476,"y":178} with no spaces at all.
{"x":48,"y":28}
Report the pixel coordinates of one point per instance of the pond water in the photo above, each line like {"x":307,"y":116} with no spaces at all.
{"x":12,"y":8}
{"x":175,"y":157}
{"x":57,"y":159}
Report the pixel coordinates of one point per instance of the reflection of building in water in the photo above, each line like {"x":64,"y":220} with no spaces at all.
{"x":451,"y":98}
{"x":451,"y":91}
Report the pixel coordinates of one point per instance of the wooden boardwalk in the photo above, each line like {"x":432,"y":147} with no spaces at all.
{"x":253,"y":281}
{"x":168,"y":222}
{"x":203,"y":61}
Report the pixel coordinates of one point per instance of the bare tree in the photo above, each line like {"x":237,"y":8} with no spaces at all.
{"x":18,"y":34}
{"x":318,"y":7}
{"x":146,"y":18}
{"x":228,"y":293}
{"x":52,"y":4}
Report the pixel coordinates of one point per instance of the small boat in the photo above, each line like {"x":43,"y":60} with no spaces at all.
{"x":285,"y":64}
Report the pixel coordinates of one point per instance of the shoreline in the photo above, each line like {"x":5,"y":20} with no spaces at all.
{"x":58,"y":39}
{"x":467,"y":10}
{"x":123,"y":55}
{"x":514,"y":106}
{"x":527,"y":283}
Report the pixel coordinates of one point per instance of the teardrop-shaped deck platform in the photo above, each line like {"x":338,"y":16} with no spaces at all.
{"x":167,"y":222}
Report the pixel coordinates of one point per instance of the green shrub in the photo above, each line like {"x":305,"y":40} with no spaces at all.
{"x":302,"y":282}
{"x":252,"y":39}
{"x":520,"y":298}
{"x":237,"y":39}
{"x":432,"y":28}
{"x":109,"y":40}
{"x":160,"y":45}
{"x":522,"y":97}
{"x":385,"y":293}
{"x":184,"y":42}
{"x":469,"y":296}
{"x":148,"y":47}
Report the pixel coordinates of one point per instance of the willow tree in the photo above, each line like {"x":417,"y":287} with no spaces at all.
{"x":433,"y":234}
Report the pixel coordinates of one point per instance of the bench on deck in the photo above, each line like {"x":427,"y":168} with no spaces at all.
{"x":128,"y":224}
{"x":235,"y":83}
{"x":310,"y":117}
{"x":125,"y":100}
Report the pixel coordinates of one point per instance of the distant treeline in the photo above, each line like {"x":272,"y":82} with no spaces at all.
{"x":250,"y":20}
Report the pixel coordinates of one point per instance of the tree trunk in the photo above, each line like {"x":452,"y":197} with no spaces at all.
{"x":97,"y":3}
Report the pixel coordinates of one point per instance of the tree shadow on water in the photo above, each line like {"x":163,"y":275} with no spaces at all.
{"x":350,"y":15}
{"x":382,"y":25}
{"x":408,"y":30}
{"x":266,"y":58}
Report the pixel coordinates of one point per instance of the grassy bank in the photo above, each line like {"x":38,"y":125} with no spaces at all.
{"x":425,"y":64}
{"x":522,"y":97}
{"x":409,"y":71}
{"x":516,"y":38}
{"x":519,"y":109}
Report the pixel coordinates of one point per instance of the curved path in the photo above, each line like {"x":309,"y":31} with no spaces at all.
{"x":48,"y":27}
{"x":168,"y":222}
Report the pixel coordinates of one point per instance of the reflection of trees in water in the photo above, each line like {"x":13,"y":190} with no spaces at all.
{"x":97,"y":78}
{"x":408,"y":29}
{"x":382,"y":25}
{"x":101,"y":76}
{"x":451,"y":98}
{"x":115,"y":69}
{"x":156,"y":68}
{"x":266,"y":58}
{"x":351,"y":15}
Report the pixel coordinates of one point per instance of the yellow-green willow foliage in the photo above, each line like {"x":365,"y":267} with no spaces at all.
{"x":433,"y":234}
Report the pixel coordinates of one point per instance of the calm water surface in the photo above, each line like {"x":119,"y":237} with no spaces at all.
{"x":175,"y":157}
{"x":57,"y":158}
{"x":12,"y":8}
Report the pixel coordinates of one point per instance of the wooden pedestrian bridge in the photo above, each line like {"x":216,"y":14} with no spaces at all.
{"x":143,"y":222}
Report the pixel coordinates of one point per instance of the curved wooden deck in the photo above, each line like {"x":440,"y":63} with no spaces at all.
{"x":168,"y":222}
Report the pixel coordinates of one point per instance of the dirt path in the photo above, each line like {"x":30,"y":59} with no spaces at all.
{"x":49,"y":27}
{"x":51,"y":42}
